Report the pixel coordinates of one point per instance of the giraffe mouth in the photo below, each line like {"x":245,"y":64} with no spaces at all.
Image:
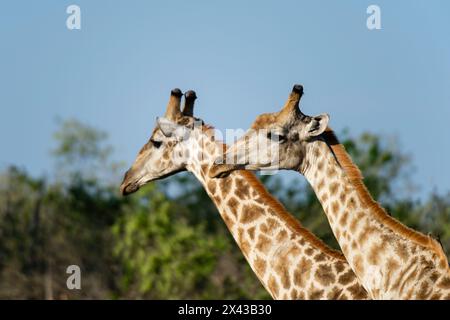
{"x":261,"y":167}
{"x":126,"y":189}
{"x":224,"y":170}
{"x":132,"y":186}
{"x":129,"y":186}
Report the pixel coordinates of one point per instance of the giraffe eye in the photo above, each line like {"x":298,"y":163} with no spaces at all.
{"x":276,"y":137}
{"x":155,"y":143}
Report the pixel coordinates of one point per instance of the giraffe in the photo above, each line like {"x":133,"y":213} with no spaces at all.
{"x":290,"y":262}
{"x":391,"y":260}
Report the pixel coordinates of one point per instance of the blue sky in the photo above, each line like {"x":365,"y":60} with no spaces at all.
{"x":242,"y":58}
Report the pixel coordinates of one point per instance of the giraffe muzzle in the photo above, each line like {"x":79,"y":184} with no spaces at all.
{"x":128,"y":188}
{"x":129,"y":184}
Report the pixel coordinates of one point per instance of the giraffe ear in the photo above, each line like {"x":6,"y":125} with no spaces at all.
{"x":317,"y":125}
{"x":172,"y":129}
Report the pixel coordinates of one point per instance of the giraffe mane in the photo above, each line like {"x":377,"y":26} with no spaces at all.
{"x":356,"y":178}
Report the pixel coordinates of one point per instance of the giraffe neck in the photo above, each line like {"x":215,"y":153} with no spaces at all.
{"x":389,"y":259}
{"x":290,"y":262}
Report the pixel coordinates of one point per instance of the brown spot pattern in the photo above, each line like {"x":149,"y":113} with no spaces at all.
{"x":212,"y":187}
{"x":334,"y":294}
{"x":339,"y":266}
{"x":225,"y":185}
{"x":260,"y":266}
{"x":251,"y":233}
{"x":444,"y":283}
{"x":272,"y":224}
{"x":282,"y":236}
{"x":351,"y":203}
{"x":320,"y":257}
{"x":320,"y":165}
{"x":424,"y":291}
{"x":309,"y":251}
{"x":233,"y":204}
{"x":331,"y":172}
{"x":354,"y":224}
{"x":358,"y":263}
{"x":273,"y":286}
{"x":333,"y":188}
{"x":263,"y":243}
{"x":315,"y":294}
{"x":343,"y":197}
{"x":245,"y":247}
{"x":281,"y":268}
{"x":294,"y":294}
{"x":335,"y":208}
{"x":205,"y":169}
{"x":357,"y":292}
{"x":374,"y":253}
{"x":320,"y":185}
{"x":343,"y":220}
{"x":324,"y":275}
{"x":402,"y":251}
{"x":302,"y":272}
{"x":250,"y":213}
{"x":347,"y":277}
{"x":242,"y":189}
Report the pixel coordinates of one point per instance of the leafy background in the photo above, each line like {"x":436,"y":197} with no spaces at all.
{"x":166,"y":241}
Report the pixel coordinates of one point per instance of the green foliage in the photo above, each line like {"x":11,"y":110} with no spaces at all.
{"x":381,"y":164}
{"x":82,"y":153}
{"x":164,"y":257}
{"x":167,"y":241}
{"x":77,"y":142}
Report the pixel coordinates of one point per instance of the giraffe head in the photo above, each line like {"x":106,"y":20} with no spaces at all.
{"x":275,"y":140}
{"x":167,"y":151}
